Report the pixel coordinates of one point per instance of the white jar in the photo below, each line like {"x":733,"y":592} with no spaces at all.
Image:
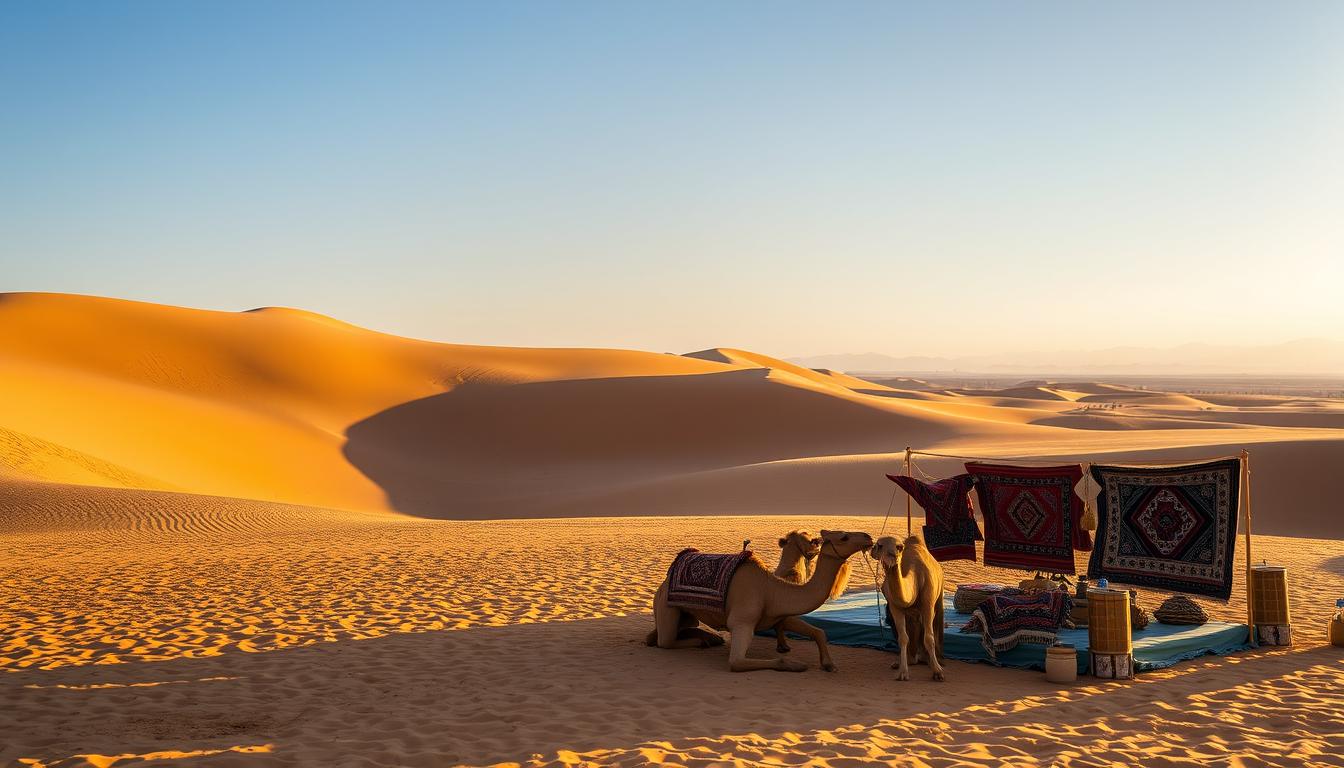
{"x":1061,"y":664}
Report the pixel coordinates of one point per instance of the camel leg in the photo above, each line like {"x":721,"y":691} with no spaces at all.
{"x":902,"y":637}
{"x":668,"y":624}
{"x":738,"y":661}
{"x":916,"y":637}
{"x":931,"y":645}
{"x":781,"y":644}
{"x":800,"y":627}
{"x":704,"y":638}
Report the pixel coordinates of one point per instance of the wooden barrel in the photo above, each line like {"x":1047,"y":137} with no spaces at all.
{"x":1269,"y":595}
{"x":1108,"y":628}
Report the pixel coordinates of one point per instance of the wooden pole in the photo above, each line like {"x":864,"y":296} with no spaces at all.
{"x":908,"y":526}
{"x":1246,"y":502}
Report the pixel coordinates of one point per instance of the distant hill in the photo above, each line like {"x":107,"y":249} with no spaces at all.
{"x":1299,"y":357}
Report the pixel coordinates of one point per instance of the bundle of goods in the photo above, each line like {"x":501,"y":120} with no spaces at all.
{"x":1079,"y":616}
{"x":968,"y":596}
{"x":1043,"y":582}
{"x":1138,"y":618}
{"x":1179,"y":609}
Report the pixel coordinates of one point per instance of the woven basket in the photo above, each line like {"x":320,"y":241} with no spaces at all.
{"x":1269,"y":595}
{"x":1108,"y":627}
{"x":1179,"y":609}
{"x":969,"y":596}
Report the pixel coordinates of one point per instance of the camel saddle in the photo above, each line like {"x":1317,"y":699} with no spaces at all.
{"x":699,"y":581}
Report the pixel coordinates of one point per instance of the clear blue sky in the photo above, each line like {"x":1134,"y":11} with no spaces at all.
{"x":948,"y":178}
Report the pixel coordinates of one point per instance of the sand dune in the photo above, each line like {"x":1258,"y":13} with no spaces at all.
{"x":219,"y":539}
{"x":289,"y":406}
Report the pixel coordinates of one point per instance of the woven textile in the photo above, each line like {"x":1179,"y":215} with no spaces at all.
{"x":950,"y":531}
{"x":1032,"y":515}
{"x":700,"y":581}
{"x":1005,"y":620}
{"x":1168,"y":527}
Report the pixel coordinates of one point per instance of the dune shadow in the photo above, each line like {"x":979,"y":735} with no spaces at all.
{"x":482,"y":450}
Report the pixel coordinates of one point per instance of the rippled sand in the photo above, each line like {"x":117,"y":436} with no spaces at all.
{"x":208,"y":631}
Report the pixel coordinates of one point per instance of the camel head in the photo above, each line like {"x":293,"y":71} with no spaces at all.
{"x":887,"y":551}
{"x":807,"y":545}
{"x":845,"y":543}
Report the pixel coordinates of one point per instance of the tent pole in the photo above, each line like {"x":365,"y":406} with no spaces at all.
{"x":908,"y":527}
{"x":1246,"y":502}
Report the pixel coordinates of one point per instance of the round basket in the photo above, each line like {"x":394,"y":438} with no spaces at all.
{"x":1108,"y":627}
{"x":1269,"y":594}
{"x":968,"y":596}
{"x":1179,"y":609}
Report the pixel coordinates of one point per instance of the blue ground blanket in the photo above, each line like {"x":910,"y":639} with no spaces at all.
{"x":852,"y":619}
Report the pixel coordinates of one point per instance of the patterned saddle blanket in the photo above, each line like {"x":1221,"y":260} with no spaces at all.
{"x":700,"y":581}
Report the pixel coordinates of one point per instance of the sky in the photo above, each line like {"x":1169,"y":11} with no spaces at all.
{"x":792,"y":178}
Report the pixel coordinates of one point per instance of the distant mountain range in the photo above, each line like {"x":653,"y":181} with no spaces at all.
{"x":1301,"y":357}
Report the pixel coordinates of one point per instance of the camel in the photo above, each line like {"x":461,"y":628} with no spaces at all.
{"x":757,"y":600}
{"x":798,"y":549}
{"x":914,"y":590}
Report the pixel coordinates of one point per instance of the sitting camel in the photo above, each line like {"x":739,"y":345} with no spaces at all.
{"x":914,"y":590}
{"x":756,"y":599}
{"x":797,"y":550}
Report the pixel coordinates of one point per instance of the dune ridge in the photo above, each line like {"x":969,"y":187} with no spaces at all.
{"x":288,"y":406}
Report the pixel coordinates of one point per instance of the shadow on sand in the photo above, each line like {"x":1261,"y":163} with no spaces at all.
{"x":479,"y":450}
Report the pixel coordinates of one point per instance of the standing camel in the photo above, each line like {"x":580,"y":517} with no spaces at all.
{"x":756,"y":599}
{"x":914,"y":590}
{"x":797,"y":551}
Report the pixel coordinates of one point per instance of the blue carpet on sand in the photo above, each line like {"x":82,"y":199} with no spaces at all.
{"x":852,"y":619}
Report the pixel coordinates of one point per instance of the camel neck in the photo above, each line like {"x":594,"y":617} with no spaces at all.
{"x":900,"y":585}
{"x":791,"y":564}
{"x":805,"y":598}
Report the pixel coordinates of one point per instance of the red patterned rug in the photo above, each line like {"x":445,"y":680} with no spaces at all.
{"x":950,"y":531}
{"x":700,"y":581}
{"x":1033,"y":516}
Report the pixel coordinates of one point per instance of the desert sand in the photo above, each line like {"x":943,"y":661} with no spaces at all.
{"x":272,"y":538}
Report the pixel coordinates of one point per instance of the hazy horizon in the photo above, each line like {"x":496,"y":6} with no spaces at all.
{"x":797,"y":180}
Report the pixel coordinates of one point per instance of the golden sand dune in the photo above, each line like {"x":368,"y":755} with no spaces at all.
{"x":289,"y":406}
{"x":207,"y":558}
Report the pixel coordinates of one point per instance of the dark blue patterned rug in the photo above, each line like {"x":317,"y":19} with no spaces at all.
{"x":1171,"y":528}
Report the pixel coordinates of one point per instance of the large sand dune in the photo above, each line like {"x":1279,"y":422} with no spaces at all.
{"x":289,"y":406}
{"x":243,"y":539}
